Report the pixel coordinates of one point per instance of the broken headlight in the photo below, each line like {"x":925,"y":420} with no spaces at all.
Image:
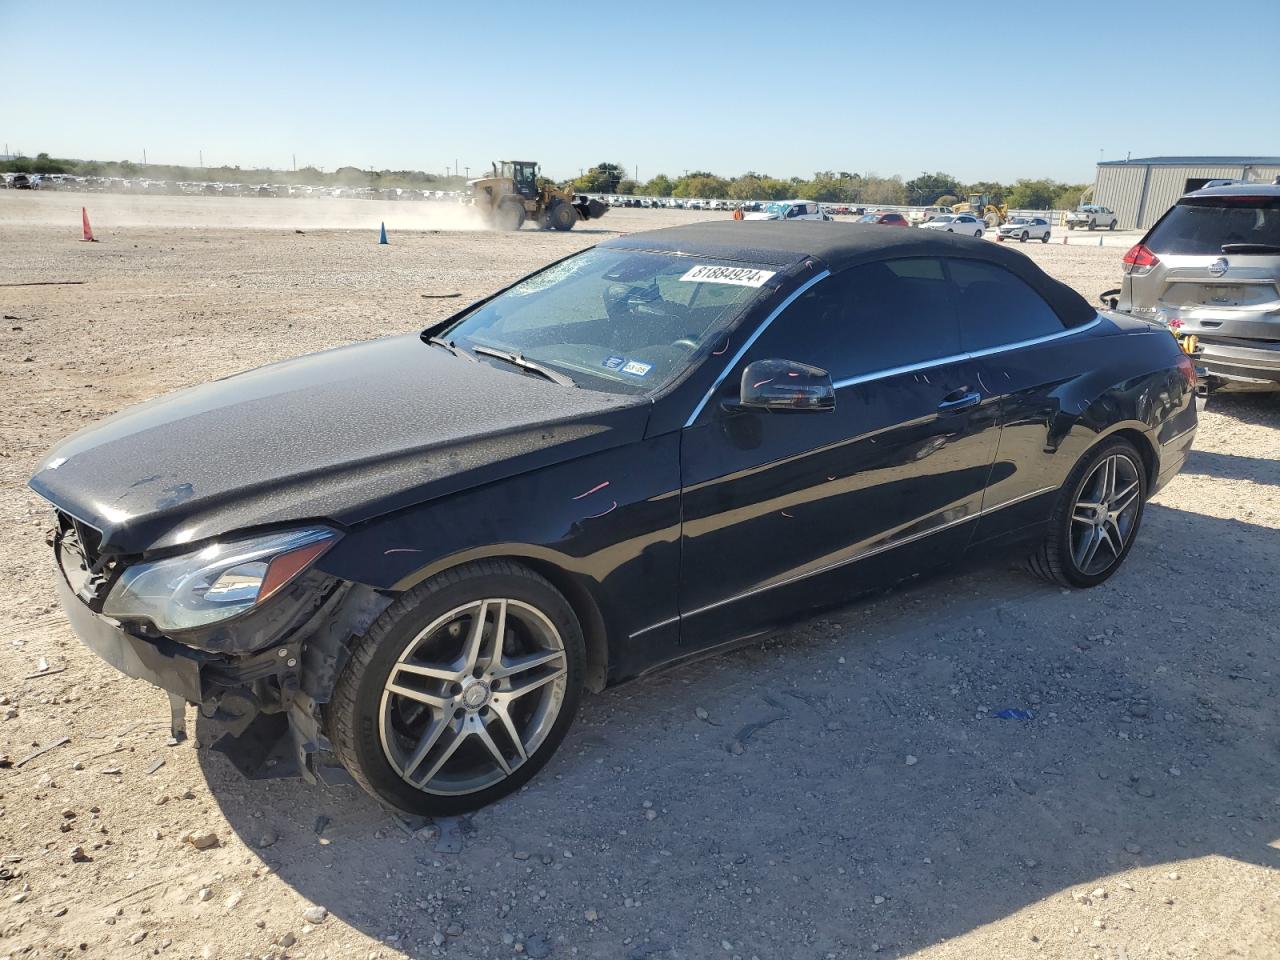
{"x":216,"y":582}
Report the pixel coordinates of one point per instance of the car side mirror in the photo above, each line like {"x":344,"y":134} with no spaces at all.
{"x":786,"y":386}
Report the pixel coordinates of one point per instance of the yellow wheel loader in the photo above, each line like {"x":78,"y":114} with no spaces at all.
{"x":980,"y":205}
{"x":510,"y":195}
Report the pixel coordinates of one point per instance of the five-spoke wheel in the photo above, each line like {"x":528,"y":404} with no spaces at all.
{"x":472,"y":696}
{"x":1096,"y":517}
{"x":461,"y":690}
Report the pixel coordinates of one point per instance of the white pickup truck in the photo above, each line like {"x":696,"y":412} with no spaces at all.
{"x":917,"y":217}
{"x":1091,"y":217}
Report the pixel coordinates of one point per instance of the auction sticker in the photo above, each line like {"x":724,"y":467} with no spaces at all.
{"x":735,"y":276}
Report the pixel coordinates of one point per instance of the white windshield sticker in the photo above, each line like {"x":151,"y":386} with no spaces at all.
{"x":736,"y":276}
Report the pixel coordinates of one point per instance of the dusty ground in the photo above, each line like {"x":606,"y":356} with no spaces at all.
{"x":1138,"y":814}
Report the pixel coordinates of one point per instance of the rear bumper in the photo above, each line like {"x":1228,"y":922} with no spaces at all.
{"x":1248,"y":362}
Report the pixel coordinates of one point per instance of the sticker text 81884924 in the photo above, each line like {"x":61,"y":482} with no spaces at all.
{"x":736,"y":276}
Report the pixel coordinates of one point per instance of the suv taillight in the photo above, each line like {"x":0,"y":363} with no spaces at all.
{"x":1139,"y":260}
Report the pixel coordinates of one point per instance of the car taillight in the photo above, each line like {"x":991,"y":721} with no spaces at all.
{"x":1139,"y":260}
{"x":1188,"y":370}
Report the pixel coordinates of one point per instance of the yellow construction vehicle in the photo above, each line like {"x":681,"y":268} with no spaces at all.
{"x":510,"y":195}
{"x":980,"y":205}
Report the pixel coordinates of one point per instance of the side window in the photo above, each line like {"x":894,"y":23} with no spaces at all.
{"x":868,"y":319}
{"x":997,"y":308}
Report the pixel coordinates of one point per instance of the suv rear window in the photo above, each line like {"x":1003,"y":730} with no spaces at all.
{"x":1204,"y":225}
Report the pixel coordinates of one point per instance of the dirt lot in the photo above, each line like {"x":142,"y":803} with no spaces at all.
{"x":878,"y":805}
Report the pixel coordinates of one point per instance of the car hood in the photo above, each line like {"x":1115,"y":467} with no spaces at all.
{"x":763,"y":216}
{"x":343,"y":435}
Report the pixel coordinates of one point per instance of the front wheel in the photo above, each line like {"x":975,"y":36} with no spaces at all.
{"x":1096,"y":518}
{"x":460,"y":691}
{"x":1044,"y":237}
{"x":563,"y":216}
{"x":1113,"y":225}
{"x":1025,"y":236}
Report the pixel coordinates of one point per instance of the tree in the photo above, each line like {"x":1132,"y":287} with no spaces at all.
{"x":628,"y":187}
{"x":877,"y":190}
{"x":925,"y":189}
{"x":946,"y":200}
{"x":996,"y":191}
{"x":1068,"y":198}
{"x":1033,"y":194}
{"x":659,"y":186}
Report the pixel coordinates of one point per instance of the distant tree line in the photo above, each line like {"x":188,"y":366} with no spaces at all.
{"x":307,"y":176}
{"x":830,"y":186}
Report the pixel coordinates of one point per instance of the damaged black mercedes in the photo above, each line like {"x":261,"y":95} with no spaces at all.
{"x":411,"y":556}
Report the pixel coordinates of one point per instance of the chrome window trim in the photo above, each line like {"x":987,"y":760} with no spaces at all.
{"x":971,"y":355}
{"x":733,"y":361}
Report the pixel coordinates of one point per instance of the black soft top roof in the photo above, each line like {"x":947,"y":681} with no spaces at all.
{"x":839,"y":246}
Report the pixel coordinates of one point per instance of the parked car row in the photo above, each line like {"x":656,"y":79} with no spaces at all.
{"x":145,"y":185}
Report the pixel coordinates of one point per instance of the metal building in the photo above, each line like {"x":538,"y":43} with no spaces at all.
{"x":1140,"y":191}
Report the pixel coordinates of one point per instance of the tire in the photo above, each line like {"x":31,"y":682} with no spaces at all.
{"x":1093,"y":225}
{"x":1044,"y":237}
{"x":1025,"y":236}
{"x":977,"y":234}
{"x":949,"y":230}
{"x":562,"y":215}
{"x":1071,"y":226}
{"x":384,"y":737}
{"x":1058,"y":557}
{"x":510,"y":216}
{"x":1113,"y":225}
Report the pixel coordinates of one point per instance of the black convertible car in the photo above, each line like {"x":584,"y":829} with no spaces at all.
{"x":415,"y":553}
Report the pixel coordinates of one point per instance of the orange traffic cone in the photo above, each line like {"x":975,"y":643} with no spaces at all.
{"x":88,"y":230}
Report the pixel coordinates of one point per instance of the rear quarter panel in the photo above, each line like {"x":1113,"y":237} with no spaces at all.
{"x":1061,"y":398}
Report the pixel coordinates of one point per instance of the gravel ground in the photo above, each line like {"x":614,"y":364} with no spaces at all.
{"x":843,"y":790}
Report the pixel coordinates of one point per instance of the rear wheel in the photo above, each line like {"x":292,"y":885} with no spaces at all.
{"x":1044,"y":237}
{"x":1093,"y":224}
{"x":1096,"y":518}
{"x":460,"y":691}
{"x":1113,"y":225}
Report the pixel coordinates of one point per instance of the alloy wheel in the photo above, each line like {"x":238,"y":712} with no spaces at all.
{"x":473,"y":696}
{"x":1104,"y":514}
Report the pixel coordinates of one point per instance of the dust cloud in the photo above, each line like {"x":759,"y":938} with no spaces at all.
{"x":106,"y":211}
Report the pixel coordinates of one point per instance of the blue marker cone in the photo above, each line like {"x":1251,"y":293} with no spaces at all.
{"x":382,"y":236}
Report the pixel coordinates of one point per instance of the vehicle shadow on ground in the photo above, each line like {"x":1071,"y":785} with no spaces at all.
{"x":851,"y":786}
{"x":1230,"y":466}
{"x":1258,"y":409}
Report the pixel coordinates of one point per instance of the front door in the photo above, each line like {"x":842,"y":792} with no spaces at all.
{"x":784,"y":512}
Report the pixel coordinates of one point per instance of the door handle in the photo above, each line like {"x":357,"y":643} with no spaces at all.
{"x":961,"y":399}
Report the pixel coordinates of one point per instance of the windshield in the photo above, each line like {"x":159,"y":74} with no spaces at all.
{"x":1019,"y":220}
{"x":779,"y":208}
{"x":1205,"y":225}
{"x":615,"y":320}
{"x":945,"y":218}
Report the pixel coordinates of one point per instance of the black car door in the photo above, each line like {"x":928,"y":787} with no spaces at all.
{"x":787,"y":511}
{"x":1025,"y":357}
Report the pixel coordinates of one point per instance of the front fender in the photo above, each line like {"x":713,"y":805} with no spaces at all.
{"x":607,"y":523}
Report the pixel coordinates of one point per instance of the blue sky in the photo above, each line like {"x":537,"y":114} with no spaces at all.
{"x":783,"y":89}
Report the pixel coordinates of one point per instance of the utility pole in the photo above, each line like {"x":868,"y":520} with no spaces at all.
{"x":144,"y":156}
{"x":468,"y":172}
{"x":201,"y":152}
{"x":295,"y":163}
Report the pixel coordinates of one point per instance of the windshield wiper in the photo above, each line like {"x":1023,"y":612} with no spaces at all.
{"x":1251,"y":248}
{"x":524,"y":363}
{"x":452,"y":348}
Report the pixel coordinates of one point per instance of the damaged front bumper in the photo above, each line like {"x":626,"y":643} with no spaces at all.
{"x":279,"y":687}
